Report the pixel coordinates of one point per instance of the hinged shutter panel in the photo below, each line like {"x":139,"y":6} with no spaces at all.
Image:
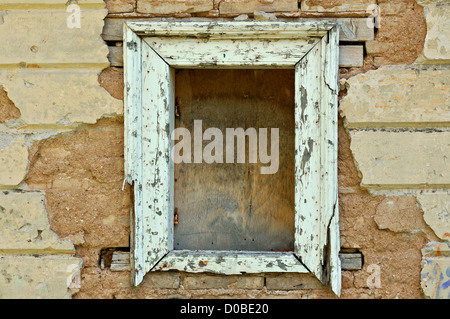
{"x":153,"y":176}
{"x":316,"y":224}
{"x":149,"y":122}
{"x":132,"y":95}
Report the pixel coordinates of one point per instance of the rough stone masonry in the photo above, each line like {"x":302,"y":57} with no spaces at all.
{"x":62,"y":206}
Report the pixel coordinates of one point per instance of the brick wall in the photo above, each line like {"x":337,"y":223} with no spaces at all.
{"x":64,"y":213}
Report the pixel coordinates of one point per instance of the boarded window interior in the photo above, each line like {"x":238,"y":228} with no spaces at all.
{"x":232,"y":206}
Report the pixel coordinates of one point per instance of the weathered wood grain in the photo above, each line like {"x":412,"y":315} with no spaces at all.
{"x":351,"y":261}
{"x":350,"y":29}
{"x":133,"y":146}
{"x":316,"y":161}
{"x":329,"y":218}
{"x":121,"y":261}
{"x":188,"y":52}
{"x":308,"y":83}
{"x":349,"y":56}
{"x":157,"y":166}
{"x":223,"y":262}
{"x":112,"y":30}
{"x":237,"y":30}
{"x":233,"y":205}
{"x":230,"y":262}
{"x":132,"y":99}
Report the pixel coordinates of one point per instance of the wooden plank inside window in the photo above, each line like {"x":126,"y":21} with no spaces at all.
{"x":232,"y":206}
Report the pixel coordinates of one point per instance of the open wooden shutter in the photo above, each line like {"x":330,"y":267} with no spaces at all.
{"x":316,"y":224}
{"x":149,"y":123}
{"x":149,"y":166}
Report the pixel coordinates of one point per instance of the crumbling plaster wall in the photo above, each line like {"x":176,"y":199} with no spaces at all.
{"x":63,"y":207}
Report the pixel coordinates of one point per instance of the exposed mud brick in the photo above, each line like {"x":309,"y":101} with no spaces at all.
{"x":90,"y":255}
{"x":360,"y":293}
{"x":437,"y":41}
{"x":207,"y":281}
{"x":396,"y":254}
{"x":115,"y":280}
{"x":395,"y":7}
{"x":348,"y":176}
{"x":374,"y":47}
{"x":356,"y":224}
{"x":237,"y":7}
{"x":401,"y":159}
{"x":82,"y":175}
{"x":173,"y":6}
{"x":397,"y":272}
{"x":293,"y":282}
{"x":399,"y":214}
{"x":25,"y":226}
{"x":111,"y":79}
{"x":336,"y":5}
{"x":13,"y":161}
{"x":436,"y":212}
{"x":7,"y":108}
{"x":347,"y":279}
{"x":162,"y":280}
{"x":116,"y":6}
{"x":219,"y":294}
{"x":401,"y":36}
{"x":360,"y":230}
{"x":95,"y":284}
{"x":102,"y":216}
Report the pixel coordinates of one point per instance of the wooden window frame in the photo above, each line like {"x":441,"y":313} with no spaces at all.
{"x":152,"y":51}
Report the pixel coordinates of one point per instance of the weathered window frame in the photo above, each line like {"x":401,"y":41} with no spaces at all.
{"x":152,"y":51}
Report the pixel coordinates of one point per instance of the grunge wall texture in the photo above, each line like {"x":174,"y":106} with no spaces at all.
{"x":64,"y":212}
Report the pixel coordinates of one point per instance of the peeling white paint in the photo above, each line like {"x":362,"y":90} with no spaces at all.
{"x":149,"y":103}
